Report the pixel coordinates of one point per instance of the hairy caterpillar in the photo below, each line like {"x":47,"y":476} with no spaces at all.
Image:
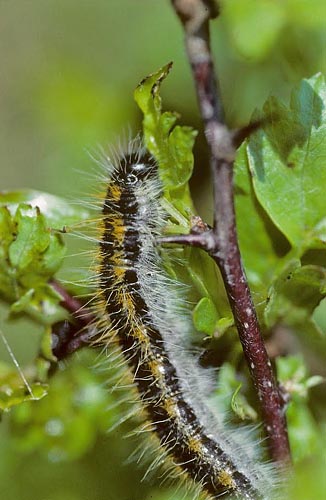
{"x":148,"y":320}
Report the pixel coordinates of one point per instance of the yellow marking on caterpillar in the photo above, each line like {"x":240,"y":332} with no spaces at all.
{"x":170,"y":407}
{"x":128,"y":303}
{"x":117,"y":258}
{"x":195,"y":445}
{"x":225,"y":478}
{"x":118,"y":230}
{"x":154,"y":367}
{"x":119,"y":273}
{"x":114,"y":192}
{"x":139,"y":334}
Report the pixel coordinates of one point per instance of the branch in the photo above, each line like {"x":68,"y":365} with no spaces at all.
{"x":221,"y":243}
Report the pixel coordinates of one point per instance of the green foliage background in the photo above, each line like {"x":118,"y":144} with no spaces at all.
{"x":69,"y":70}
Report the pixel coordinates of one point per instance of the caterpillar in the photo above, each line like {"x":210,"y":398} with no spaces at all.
{"x":149,"y":321}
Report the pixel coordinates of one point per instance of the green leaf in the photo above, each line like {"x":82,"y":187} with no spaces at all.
{"x":293,"y":374}
{"x":53,"y":256}
{"x":241,"y":407}
{"x":13,"y":390}
{"x":303,"y":430}
{"x":295,"y":294}
{"x":7,"y":230}
{"x":230,"y":397}
{"x":41,"y":304}
{"x":262,"y":245}
{"x":30,"y":254}
{"x":205,"y":316}
{"x":207,"y":320}
{"x":23,"y":302}
{"x":56,"y":210}
{"x":64,"y":425}
{"x":33,"y":237}
{"x":46,"y":353}
{"x":172,"y":147}
{"x":223,"y":325}
{"x":286,"y":162}
{"x":304,"y":434}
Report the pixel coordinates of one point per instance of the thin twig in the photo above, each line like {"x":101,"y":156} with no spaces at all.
{"x":221,"y":243}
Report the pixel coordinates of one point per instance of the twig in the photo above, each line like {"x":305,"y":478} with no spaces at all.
{"x":221,"y":242}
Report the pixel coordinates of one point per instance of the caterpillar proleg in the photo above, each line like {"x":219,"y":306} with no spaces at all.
{"x":149,"y":321}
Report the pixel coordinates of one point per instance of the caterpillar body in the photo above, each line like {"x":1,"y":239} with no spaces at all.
{"x":150,"y":323}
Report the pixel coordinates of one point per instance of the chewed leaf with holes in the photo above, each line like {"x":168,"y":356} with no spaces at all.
{"x":287,"y":162}
{"x":170,"y":145}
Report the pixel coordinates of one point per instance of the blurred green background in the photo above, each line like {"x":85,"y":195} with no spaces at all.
{"x":68,"y":71}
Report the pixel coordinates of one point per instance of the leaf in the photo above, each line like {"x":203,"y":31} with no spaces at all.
{"x":46,"y":353}
{"x":7,"y":230}
{"x":65,"y":424}
{"x":240,"y":406}
{"x":53,"y":256}
{"x":13,"y":391}
{"x":293,"y":374}
{"x":56,"y":210}
{"x":30,"y":254}
{"x":207,"y":320}
{"x":172,"y":147}
{"x":11,"y":398}
{"x":32,"y":238}
{"x":206,"y":279}
{"x":295,"y":294}
{"x":286,"y":162}
{"x":303,"y":430}
{"x":304,"y":434}
{"x":205,"y":316}
{"x":262,"y":245}
{"x":230,"y":397}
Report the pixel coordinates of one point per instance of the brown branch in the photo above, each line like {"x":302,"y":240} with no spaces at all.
{"x":221,"y":243}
